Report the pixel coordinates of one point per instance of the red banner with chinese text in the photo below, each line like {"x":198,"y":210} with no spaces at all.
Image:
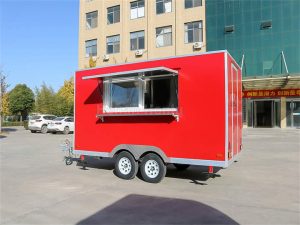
{"x":271,"y":93}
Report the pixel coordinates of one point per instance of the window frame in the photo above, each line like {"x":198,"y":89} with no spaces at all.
{"x":138,"y":42}
{"x":156,"y":35}
{"x":113,"y":44}
{"x":91,"y":46}
{"x":138,"y":2}
{"x":91,"y":18}
{"x":163,"y":2}
{"x":186,"y":29}
{"x":113,"y":14}
{"x":193,"y":4}
{"x":140,"y":77}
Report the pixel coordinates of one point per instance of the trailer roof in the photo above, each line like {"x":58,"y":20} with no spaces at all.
{"x":153,"y":69}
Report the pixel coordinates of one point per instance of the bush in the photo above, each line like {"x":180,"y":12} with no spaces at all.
{"x":12,"y":124}
{"x":25,"y":124}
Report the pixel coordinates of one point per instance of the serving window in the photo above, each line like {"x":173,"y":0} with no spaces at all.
{"x":141,"y":92}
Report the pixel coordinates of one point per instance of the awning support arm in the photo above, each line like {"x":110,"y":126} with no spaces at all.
{"x":285,"y":65}
{"x":242,"y":64}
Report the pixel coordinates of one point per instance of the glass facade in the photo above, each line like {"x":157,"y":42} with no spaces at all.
{"x":258,"y":29}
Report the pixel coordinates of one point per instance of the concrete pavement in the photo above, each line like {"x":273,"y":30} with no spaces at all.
{"x":261,"y":188}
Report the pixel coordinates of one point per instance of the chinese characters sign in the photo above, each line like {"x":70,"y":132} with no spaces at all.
{"x":271,"y":93}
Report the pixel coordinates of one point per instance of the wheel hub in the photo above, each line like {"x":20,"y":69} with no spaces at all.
{"x":151,"y":168}
{"x":124,"y":165}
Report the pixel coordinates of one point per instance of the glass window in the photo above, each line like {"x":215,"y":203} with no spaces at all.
{"x":91,"y":20}
{"x":192,"y":3}
{"x":70,"y":119}
{"x":113,"y":44}
{"x":124,"y":94}
{"x":137,"y":9}
{"x":161,"y":92}
{"x":59,"y":119}
{"x":193,"y":32}
{"x":113,"y":14}
{"x":163,"y":36}
{"x":91,"y":48}
{"x":141,"y":92}
{"x":163,"y":6}
{"x":137,"y":40}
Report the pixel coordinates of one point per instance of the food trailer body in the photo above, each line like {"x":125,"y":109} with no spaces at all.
{"x":185,"y":110}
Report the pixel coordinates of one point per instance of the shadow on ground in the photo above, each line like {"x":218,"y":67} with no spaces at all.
{"x":2,"y":136}
{"x":94,"y":162}
{"x":196,"y":174}
{"x":8,"y":129}
{"x":141,"y":209}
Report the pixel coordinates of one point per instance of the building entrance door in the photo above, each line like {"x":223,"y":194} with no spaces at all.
{"x":293,"y":113}
{"x":266,"y":113}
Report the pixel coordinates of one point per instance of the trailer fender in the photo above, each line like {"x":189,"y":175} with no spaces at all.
{"x":138,"y":150}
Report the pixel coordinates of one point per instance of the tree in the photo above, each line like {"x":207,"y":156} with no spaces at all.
{"x":60,"y":103}
{"x":21,"y":100}
{"x":45,"y":100}
{"x":65,"y":98}
{"x":5,"y":107}
{"x":67,"y":90}
{"x":3,"y":89}
{"x":92,"y":62}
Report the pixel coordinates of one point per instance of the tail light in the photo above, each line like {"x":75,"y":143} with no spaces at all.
{"x":38,"y":120}
{"x":58,"y":123}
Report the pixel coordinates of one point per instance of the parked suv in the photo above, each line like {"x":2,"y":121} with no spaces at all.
{"x":40,"y":123}
{"x":61,"y":124}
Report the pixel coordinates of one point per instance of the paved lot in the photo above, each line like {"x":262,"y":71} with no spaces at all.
{"x":261,"y":188}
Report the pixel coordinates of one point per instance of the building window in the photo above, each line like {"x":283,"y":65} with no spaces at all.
{"x":144,"y":92}
{"x":113,"y":44}
{"x":113,"y":14}
{"x":137,"y":9}
{"x":193,"y":32}
{"x":163,"y":36}
{"x":163,"y":6}
{"x":192,"y":3}
{"x":91,"y":48}
{"x":137,"y":40}
{"x":91,"y":20}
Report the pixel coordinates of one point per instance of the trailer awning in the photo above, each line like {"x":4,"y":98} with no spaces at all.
{"x":147,"y":71}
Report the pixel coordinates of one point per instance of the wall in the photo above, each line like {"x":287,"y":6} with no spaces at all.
{"x":261,"y":47}
{"x":176,"y":19}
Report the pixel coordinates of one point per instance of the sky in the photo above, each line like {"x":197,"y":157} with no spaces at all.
{"x":38,"y":41}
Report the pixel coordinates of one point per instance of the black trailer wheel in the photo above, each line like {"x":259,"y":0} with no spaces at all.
{"x":126,"y":167}
{"x":68,"y":161}
{"x":181,"y":166}
{"x":152,"y":168}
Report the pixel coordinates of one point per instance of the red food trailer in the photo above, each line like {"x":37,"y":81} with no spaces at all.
{"x":183,"y":110}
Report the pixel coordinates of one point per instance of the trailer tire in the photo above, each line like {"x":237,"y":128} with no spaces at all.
{"x":126,"y":167}
{"x":152,"y":168}
{"x":181,"y":166}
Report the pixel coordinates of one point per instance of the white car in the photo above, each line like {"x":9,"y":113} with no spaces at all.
{"x":61,"y":124}
{"x":40,"y":123}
